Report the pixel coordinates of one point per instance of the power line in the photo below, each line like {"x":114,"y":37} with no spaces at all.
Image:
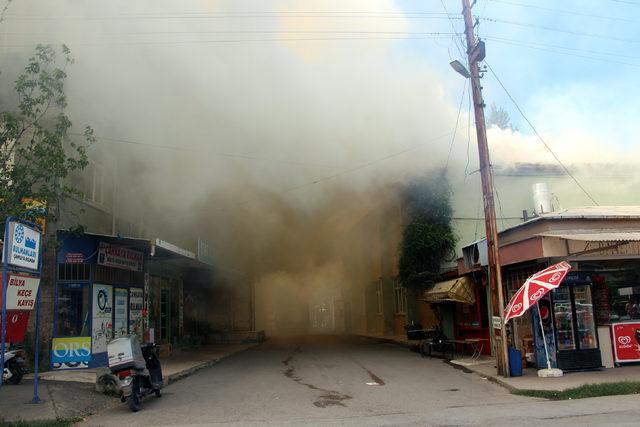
{"x":540,"y":136}
{"x":209,"y":152}
{"x":568,"y":12}
{"x":142,"y":33}
{"x":453,"y":27}
{"x":227,"y":41}
{"x":559,"y":30}
{"x":252,"y":15}
{"x":554,"y":46}
{"x":537,"y":47}
{"x":626,"y":2}
{"x":455,"y":129}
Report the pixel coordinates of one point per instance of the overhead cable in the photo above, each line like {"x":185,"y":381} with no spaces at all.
{"x":544,"y":143}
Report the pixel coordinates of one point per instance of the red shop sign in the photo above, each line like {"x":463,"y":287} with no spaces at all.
{"x":626,"y":341}
{"x":16,"y":326}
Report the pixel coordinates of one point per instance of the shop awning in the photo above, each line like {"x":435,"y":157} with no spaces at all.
{"x":601,"y":235}
{"x":456,"y":290}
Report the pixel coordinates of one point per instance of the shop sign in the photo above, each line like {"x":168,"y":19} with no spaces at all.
{"x":70,"y":353}
{"x":205,"y":254}
{"x":74,"y":258}
{"x":175,"y":249}
{"x":24,"y":246}
{"x":21,"y":292}
{"x":497,"y":322}
{"x":119,"y":257}
{"x":626,"y":341}
{"x":16,"y":329}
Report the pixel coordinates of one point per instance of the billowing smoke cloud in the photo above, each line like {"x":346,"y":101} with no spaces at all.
{"x":247,"y":122}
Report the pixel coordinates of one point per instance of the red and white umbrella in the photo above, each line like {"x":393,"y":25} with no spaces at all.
{"x":535,"y":287}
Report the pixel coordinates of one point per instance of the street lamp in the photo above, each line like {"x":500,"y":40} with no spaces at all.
{"x":460,"y":68}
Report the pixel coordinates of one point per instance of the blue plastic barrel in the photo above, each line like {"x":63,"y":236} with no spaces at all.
{"x":515,"y":362}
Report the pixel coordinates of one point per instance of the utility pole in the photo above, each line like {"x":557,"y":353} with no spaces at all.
{"x":476,"y":53}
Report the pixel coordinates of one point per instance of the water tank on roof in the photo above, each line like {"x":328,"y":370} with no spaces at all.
{"x":542,"y":198}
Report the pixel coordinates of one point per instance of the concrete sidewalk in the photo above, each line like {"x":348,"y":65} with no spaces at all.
{"x":485,"y":367}
{"x":181,"y":363}
{"x":530,"y":380}
{"x":71,"y":393}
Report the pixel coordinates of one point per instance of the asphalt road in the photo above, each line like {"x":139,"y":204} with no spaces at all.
{"x":339,"y":381}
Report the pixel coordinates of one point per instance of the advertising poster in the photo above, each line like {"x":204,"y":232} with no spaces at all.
{"x":70,"y":353}
{"x":545,"y":310}
{"x":626,"y":341}
{"x":121,"y":297}
{"x":136,"y":301}
{"x":102,"y":328}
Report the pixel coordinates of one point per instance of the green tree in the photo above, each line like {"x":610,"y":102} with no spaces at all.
{"x":36,"y":154}
{"x":428,"y":238}
{"x":499,"y":117}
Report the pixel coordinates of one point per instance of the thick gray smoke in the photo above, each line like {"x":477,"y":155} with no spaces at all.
{"x":230,"y":120}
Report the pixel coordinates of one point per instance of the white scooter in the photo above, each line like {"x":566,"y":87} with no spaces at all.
{"x":14,"y":366}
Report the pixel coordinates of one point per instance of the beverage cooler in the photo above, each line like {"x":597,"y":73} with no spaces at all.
{"x":574,"y":323}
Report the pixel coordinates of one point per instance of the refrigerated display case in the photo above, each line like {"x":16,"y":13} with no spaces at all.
{"x":575,"y":327}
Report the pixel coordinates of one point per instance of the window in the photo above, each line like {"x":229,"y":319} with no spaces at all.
{"x":73,"y":310}
{"x":94,"y":183}
{"x":74,"y":272}
{"x":400,"y":293}
{"x":379,"y":295}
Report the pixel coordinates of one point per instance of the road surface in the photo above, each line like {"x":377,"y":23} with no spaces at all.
{"x":340,"y":381}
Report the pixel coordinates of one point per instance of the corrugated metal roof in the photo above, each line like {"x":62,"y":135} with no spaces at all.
{"x":595,"y":212}
{"x":601,"y":235}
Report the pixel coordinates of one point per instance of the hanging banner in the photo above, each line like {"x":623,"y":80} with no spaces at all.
{"x":101,"y":326}
{"x":626,"y":341}
{"x":24,"y":246}
{"x":119,"y":257}
{"x":21,"y":292}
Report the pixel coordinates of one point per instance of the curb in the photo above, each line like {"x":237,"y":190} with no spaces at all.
{"x":493,"y":378}
{"x":170,"y":379}
{"x":385,"y":340}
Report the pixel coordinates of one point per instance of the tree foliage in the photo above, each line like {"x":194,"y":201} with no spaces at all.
{"x":498,"y":116}
{"x":36,"y":154}
{"x":428,"y":238}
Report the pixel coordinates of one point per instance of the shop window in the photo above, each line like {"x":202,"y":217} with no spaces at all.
{"x":74,"y":272}
{"x":400,"y":293}
{"x":379,"y":295}
{"x":94,"y":183}
{"x":73,"y":310}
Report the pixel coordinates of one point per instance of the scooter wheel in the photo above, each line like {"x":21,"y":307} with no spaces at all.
{"x":134,"y":402}
{"x":16,"y":375}
{"x":134,"y":399}
{"x":158,"y":392}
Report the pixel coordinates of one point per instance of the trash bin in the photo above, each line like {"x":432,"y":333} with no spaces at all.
{"x":515,"y":362}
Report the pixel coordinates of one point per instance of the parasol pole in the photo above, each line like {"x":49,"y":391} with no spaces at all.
{"x":544,"y":339}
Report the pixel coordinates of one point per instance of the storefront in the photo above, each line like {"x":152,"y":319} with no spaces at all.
{"x":98,"y":296}
{"x":462,"y":308}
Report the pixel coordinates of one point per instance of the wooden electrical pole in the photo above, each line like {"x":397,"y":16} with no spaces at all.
{"x":475,"y":53}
